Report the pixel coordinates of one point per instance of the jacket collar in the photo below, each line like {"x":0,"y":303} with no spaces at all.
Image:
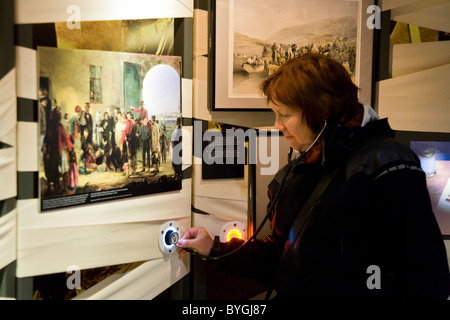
{"x":343,"y":141}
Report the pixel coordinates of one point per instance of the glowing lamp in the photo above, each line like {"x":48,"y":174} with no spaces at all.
{"x":232,"y":230}
{"x":234,"y":233}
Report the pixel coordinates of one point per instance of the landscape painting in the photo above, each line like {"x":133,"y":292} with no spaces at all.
{"x":267,"y":33}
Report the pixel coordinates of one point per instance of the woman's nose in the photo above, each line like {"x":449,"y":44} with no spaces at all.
{"x":278,"y":125}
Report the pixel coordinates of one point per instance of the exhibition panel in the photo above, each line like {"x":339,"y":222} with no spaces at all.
{"x":8,"y":150}
{"x":108,"y":210}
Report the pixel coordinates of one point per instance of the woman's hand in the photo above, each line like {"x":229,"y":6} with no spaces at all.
{"x":197,"y":239}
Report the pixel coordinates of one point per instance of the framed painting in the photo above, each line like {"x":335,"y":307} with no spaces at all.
{"x":105,"y":129}
{"x":250,"y":39}
{"x":433,"y":150}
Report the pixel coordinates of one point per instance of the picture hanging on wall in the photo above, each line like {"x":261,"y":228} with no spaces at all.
{"x":152,"y":36}
{"x":252,"y":38}
{"x":106,"y":122}
{"x":433,"y":151}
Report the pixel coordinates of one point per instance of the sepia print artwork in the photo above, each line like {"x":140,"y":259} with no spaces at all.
{"x":264,"y":34}
{"x":106,"y":123}
{"x":267,"y":33}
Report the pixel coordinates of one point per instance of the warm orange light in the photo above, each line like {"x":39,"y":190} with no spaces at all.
{"x":234,"y":233}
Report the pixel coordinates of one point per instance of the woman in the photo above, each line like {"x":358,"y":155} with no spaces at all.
{"x":368,"y":230}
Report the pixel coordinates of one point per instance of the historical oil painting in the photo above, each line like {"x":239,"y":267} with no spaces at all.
{"x":110,"y":125}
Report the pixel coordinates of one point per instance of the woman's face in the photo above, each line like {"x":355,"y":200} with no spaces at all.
{"x":293,"y":127}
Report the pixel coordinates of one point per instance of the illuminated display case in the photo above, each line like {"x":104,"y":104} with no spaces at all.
{"x":433,"y":150}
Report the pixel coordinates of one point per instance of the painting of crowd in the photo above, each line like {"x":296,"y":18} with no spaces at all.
{"x":82,"y":143}
{"x":277,"y":54}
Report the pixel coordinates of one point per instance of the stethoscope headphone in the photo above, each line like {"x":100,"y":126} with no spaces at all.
{"x":291,"y":164}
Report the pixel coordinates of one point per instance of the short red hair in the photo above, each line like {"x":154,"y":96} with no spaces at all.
{"x":316,"y":85}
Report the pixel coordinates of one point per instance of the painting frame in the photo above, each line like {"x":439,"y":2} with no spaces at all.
{"x":99,"y":174}
{"x":131,"y":226}
{"x":439,"y":181}
{"x":220,"y":66}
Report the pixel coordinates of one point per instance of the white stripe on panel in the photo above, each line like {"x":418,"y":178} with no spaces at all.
{"x":200,"y":84}
{"x":27,"y":146}
{"x":27,"y":79}
{"x":414,"y":57}
{"x":8,"y":108}
{"x":432,"y":14}
{"x":200,"y":33}
{"x":187,"y":145}
{"x":228,"y":189}
{"x":115,"y":232}
{"x":7,"y":238}
{"x":223,"y":208}
{"x":142,"y":282}
{"x":186,"y":96}
{"x":32,"y":11}
{"x":430,"y":83}
{"x":52,"y":250}
{"x":392,"y":4}
{"x":154,"y":207}
{"x":8,"y":174}
{"x":415,"y":114}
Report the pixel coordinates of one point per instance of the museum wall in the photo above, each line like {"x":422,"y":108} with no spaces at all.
{"x":412,"y":87}
{"x":120,"y":238}
{"x":8,"y":165}
{"x":115,"y":244}
{"x":417,"y":78}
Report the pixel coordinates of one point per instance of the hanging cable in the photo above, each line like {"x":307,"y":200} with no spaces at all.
{"x":291,"y":164}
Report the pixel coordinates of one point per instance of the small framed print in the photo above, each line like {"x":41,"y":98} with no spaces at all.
{"x":250,"y":39}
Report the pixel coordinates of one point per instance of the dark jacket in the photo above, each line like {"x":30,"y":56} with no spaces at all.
{"x":373,"y":234}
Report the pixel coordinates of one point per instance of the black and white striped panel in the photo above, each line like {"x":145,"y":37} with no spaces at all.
{"x":8,"y":190}
{"x":73,"y":236}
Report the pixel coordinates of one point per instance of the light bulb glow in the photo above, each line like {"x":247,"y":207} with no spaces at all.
{"x":234,"y":233}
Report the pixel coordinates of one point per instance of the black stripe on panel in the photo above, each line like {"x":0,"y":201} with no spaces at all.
{"x":33,"y":35}
{"x":183,"y":44}
{"x":187,"y":173}
{"x":201,"y":4}
{"x":23,"y":35}
{"x":8,"y":280}
{"x":27,"y":185}
{"x":25,"y":288}
{"x":195,"y":210}
{"x":6,"y":36}
{"x":27,"y":110}
{"x":4,"y":145}
{"x":7,"y":205}
{"x":187,"y":122}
